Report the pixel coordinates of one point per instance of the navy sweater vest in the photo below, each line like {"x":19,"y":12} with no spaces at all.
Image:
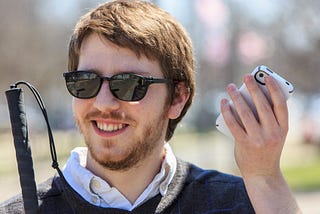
{"x":193,"y":190}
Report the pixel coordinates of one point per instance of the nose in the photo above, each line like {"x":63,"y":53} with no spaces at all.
{"x":105,"y":101}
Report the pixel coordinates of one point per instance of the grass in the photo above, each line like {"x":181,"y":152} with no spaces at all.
{"x":304,"y":177}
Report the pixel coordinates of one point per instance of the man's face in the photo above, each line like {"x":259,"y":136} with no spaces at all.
{"x":119,"y":134}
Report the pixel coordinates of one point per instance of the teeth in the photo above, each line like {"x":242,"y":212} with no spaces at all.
{"x":109,"y":127}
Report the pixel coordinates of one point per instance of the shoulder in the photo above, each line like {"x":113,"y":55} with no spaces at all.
{"x":198,"y":174}
{"x":48,"y":194}
{"x":195,"y":174}
{"x":12,"y":205}
{"x":213,"y":182}
{"x":213,"y":190}
{"x":220,"y":182}
{"x":15,"y":204}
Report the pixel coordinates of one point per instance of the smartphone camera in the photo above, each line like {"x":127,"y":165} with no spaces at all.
{"x":259,"y":77}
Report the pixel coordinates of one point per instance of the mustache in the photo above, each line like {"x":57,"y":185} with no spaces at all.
{"x":121,"y":116}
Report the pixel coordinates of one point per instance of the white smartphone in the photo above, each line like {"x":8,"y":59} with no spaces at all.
{"x":258,"y":73}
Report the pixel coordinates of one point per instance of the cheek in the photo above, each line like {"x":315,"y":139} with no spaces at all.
{"x":149,"y":109}
{"x":79,"y":106}
{"x":156,"y":102}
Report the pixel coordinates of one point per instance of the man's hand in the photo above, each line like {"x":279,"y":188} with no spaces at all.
{"x":259,"y":143}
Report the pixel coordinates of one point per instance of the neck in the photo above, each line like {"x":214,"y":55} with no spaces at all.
{"x":132,"y":182}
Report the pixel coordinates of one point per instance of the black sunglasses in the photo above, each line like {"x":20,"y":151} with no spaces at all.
{"x":124,"y":86}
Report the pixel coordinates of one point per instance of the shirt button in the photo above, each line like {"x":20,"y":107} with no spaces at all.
{"x":96,"y":184}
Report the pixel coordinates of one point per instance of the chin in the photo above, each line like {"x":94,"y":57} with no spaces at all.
{"x":117,"y":160}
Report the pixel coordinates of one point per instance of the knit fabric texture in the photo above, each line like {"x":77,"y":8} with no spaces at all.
{"x":193,"y":190}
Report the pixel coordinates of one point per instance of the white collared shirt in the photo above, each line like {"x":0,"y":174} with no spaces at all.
{"x":97,"y":191}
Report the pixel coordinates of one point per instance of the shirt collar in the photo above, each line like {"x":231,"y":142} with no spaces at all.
{"x":97,"y":191}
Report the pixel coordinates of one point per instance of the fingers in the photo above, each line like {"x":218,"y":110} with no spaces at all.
{"x":245,"y":113}
{"x":280,"y":107}
{"x":262,"y":104}
{"x":234,"y":126}
{"x":258,"y":142}
{"x":271,"y":113}
{"x":274,"y":112}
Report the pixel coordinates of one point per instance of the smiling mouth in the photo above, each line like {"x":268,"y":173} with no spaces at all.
{"x":110,"y":127}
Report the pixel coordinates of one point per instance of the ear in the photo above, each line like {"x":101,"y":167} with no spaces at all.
{"x":182,"y":94}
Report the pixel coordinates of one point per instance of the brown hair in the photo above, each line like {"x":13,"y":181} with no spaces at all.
{"x":145,"y":29}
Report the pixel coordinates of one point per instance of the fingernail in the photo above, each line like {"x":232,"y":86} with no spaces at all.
{"x":224,"y":103}
{"x":247,"y":77}
{"x":231,"y":87}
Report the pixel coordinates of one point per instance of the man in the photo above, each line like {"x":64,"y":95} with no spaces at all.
{"x":131,"y":72}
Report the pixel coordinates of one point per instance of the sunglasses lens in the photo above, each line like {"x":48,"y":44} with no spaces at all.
{"x":125,"y":86}
{"x":82,"y":84}
{"x":128,"y":87}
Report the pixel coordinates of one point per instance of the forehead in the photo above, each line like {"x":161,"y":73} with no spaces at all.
{"x":98,"y":53}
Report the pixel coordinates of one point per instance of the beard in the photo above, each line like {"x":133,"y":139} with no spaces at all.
{"x":140,"y":146}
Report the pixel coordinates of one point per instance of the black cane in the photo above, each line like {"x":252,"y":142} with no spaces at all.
{"x":23,"y":152}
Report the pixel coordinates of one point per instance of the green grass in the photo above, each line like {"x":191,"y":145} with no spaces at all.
{"x":304,"y":178}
